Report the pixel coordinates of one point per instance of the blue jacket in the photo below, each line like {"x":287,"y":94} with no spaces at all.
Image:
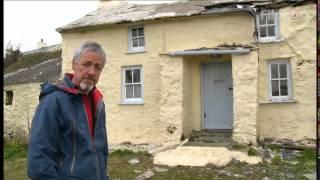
{"x":61,"y":147}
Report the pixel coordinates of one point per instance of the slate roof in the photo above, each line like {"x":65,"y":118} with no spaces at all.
{"x":128,"y":12}
{"x":45,"y":49}
{"x":49,"y":70}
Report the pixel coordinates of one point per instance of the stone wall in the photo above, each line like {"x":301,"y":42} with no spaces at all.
{"x":245,"y":97}
{"x":24,"y":103}
{"x":295,"y":120}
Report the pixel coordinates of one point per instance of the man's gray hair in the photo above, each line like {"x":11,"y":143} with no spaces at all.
{"x":89,"y":46}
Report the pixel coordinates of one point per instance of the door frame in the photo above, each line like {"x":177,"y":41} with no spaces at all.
{"x":202,"y":63}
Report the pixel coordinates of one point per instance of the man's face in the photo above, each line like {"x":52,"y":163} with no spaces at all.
{"x":87,"y":70}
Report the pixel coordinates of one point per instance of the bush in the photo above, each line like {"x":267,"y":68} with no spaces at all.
{"x":252,"y":152}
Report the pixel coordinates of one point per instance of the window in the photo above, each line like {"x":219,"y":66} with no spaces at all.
{"x":136,"y":39}
{"x":280,"y":81}
{"x":9,"y":97}
{"x":267,"y":21}
{"x":132,"y":84}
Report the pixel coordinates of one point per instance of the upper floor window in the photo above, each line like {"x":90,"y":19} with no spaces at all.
{"x":132,"y":84}
{"x":280,"y":80}
{"x":9,"y":97}
{"x":136,"y":39}
{"x":268,"y":25}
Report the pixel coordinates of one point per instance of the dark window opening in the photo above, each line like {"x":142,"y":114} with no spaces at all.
{"x":9,"y":97}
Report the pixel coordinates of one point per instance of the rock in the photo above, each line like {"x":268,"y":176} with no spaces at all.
{"x":133,"y":147}
{"x":265,"y":178}
{"x":133,"y":161}
{"x":227,"y":173}
{"x":166,"y":147}
{"x":137,"y":171}
{"x":292,"y":162}
{"x":239,"y":176}
{"x":290,"y":175}
{"x":159,"y":169}
{"x":288,"y":154}
{"x":312,"y":176}
{"x":247,"y":172}
{"x":146,"y":175}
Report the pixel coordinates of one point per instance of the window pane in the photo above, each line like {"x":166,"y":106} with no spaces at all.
{"x":136,"y":75}
{"x":137,"y":91}
{"x":263,"y":31}
{"x":283,"y":71}
{"x":271,"y":31}
{"x":262,"y":19}
{"x":275,"y":87}
{"x":134,"y":32}
{"x":135,"y":43}
{"x":274,"y":71}
{"x":141,"y":32}
{"x":271,"y":18}
{"x":129,"y":91}
{"x":128,"y":76}
{"x":284,"y":87}
{"x":141,"y":41}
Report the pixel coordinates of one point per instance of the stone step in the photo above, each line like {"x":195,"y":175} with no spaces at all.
{"x":211,"y":134}
{"x":211,"y":137}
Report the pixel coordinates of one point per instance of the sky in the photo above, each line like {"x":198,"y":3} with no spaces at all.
{"x":27,"y":22}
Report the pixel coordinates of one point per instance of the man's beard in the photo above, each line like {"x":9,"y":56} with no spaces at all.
{"x":86,"y":87}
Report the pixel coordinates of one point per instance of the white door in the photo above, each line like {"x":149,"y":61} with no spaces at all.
{"x":217,"y":96}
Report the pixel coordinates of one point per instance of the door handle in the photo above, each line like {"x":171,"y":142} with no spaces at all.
{"x":230,"y":88}
{"x":205,"y":115}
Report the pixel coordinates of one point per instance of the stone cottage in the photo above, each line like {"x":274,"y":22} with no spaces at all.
{"x":242,"y":66}
{"x":21,"y":93}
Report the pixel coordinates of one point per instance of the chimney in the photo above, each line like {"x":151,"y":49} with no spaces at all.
{"x":109,"y":3}
{"x":41,"y":44}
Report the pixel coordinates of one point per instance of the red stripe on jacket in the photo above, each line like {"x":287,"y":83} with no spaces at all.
{"x":89,"y":113}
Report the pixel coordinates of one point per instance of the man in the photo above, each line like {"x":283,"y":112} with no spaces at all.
{"x":68,"y":137}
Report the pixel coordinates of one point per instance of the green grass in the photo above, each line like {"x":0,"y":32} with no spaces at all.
{"x":15,"y":167}
{"x":14,"y":151}
{"x":276,"y":160}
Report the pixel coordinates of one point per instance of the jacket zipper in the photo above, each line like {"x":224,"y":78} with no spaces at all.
{"x":74,"y":145}
{"x":94,"y":147}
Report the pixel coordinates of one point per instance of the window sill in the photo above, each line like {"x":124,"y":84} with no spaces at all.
{"x":136,"y":51}
{"x":268,"y":41}
{"x":278,"y":102}
{"x":131,"y":103}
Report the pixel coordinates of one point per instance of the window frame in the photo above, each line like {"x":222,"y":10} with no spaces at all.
{"x":276,"y":36}
{"x":130,"y":39}
{"x":133,"y":100}
{"x":7,"y":96}
{"x":289,"y":80}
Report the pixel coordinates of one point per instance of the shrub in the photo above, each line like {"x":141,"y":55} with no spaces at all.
{"x":252,"y":152}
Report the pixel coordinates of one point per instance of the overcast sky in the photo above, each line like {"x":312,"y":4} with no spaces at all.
{"x":26,"y":22}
